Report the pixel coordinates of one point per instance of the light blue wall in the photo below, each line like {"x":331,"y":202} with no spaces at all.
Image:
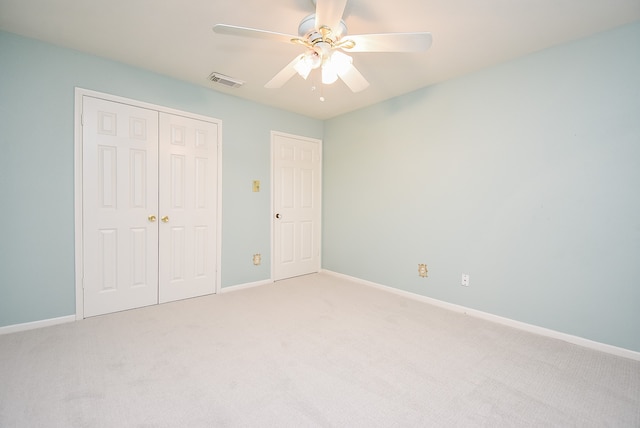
{"x":526,"y":176}
{"x":37,"y":83}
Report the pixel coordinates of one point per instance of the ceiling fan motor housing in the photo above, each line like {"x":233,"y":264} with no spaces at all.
{"x":307,"y":30}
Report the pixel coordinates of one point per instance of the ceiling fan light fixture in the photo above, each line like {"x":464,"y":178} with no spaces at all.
{"x":340,"y":62}
{"x":334,"y":65}
{"x":303,"y":68}
{"x":307,"y":62}
{"x":312,"y":58}
{"x":329,"y":74}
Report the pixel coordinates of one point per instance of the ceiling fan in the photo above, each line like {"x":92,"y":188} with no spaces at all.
{"x":324,"y":35}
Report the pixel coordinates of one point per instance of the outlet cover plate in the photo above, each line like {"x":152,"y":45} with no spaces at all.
{"x":257,"y":259}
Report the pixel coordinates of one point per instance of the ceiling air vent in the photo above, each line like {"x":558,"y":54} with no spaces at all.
{"x":225,"y":80}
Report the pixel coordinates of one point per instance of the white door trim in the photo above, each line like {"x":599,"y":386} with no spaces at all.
{"x":77,"y":137}
{"x":272,"y":189}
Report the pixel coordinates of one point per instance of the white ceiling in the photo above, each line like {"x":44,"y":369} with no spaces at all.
{"x":174,"y":38}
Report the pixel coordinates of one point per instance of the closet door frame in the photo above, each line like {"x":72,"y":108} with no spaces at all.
{"x":78,"y":183}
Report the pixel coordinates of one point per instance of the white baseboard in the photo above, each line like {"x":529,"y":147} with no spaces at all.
{"x":576,"y":340}
{"x":244,"y":286}
{"x":36,"y":324}
{"x":69,"y":318}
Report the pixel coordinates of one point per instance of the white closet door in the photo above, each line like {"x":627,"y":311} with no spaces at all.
{"x":188,"y":207}
{"x":120,"y":200}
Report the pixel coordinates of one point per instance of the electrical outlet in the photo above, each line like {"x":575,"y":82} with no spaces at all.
{"x":256,"y":185}
{"x":465,"y":280}
{"x":257,"y":259}
{"x":422,"y":270}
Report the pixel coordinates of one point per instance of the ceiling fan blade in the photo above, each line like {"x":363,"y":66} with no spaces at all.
{"x":353,"y":79}
{"x":390,"y":42}
{"x":329,"y":13}
{"x":233,"y":30}
{"x":284,"y":75}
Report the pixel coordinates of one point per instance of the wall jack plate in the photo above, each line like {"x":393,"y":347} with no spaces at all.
{"x":465,"y":280}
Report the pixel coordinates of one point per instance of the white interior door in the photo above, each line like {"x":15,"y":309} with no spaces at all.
{"x":149,"y":205}
{"x":120,"y":204}
{"x":297,"y":167}
{"x":188,"y":207}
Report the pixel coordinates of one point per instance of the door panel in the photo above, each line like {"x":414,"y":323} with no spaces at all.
{"x":120,"y":170}
{"x":297,"y":164}
{"x":188,"y":207}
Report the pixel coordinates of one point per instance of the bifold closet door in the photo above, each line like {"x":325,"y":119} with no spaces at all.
{"x":120,"y":204}
{"x":149,"y":206}
{"x":188,"y":207}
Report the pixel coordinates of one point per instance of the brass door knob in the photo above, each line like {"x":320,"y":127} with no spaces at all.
{"x":165,"y":219}
{"x":152,"y":218}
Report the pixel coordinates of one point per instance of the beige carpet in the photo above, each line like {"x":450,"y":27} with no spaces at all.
{"x":310,"y":351}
